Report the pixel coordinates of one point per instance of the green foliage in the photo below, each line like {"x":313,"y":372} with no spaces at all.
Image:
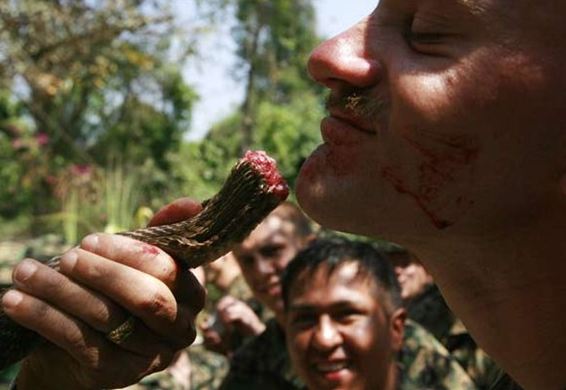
{"x":99,"y":199}
{"x":90,"y":67}
{"x":274,"y":39}
{"x":290,"y":132}
{"x":282,"y":108}
{"x":95,"y":80}
{"x":287,"y":132}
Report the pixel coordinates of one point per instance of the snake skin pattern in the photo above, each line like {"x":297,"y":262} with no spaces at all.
{"x":251,"y":191}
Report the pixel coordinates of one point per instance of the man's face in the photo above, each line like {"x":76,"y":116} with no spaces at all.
{"x":338,"y":333}
{"x":413,"y":280}
{"x":444,"y":114}
{"x":264,"y":255}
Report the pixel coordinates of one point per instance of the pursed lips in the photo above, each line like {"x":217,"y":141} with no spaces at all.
{"x":353,"y":121}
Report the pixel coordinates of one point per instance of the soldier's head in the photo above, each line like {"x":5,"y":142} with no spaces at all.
{"x":444,"y":116}
{"x":344,"y":321}
{"x":269,"y":248}
{"x":413,"y":277}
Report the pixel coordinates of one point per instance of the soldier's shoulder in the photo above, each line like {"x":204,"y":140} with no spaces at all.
{"x":425,"y":363}
{"x":263,"y":360}
{"x":262,"y":351}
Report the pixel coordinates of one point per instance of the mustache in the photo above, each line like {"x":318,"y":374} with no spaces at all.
{"x":359,"y":102}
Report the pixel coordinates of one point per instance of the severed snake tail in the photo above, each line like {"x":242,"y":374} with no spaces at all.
{"x":251,"y":191}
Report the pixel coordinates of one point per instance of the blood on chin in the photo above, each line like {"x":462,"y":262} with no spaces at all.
{"x":323,"y":190}
{"x":336,"y":160}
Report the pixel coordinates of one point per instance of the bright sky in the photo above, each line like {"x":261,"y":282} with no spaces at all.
{"x":220,"y":94}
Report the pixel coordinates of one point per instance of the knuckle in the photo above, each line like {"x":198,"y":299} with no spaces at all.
{"x":102,"y":318}
{"x":158,"y":303}
{"x":38,"y":309}
{"x":168,"y":272}
{"x":74,"y":340}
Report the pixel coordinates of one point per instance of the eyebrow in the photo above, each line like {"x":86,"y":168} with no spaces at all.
{"x":334,"y":306}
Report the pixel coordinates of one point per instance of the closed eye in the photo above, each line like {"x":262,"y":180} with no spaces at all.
{"x":429,"y":43}
{"x":424,"y":38}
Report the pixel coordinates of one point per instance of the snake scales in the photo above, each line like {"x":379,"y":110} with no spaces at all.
{"x":253,"y":188}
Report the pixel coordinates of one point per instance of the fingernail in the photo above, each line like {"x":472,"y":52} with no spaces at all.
{"x":90,"y":242}
{"x":69,"y":259}
{"x":12,"y":298}
{"x":24,"y":271}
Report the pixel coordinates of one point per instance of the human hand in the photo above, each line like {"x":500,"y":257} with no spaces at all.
{"x":232,"y":320}
{"x":103,"y":282}
{"x":238,"y":315}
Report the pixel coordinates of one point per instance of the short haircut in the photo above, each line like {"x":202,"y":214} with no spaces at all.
{"x":333,"y":253}
{"x":288,"y":211}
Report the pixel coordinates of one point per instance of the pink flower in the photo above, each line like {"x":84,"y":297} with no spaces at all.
{"x":18,"y":143}
{"x":81,"y":169}
{"x":42,"y":138}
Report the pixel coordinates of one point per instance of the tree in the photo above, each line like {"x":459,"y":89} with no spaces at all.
{"x":80,"y":65}
{"x":96,"y":79}
{"x":274,"y":39}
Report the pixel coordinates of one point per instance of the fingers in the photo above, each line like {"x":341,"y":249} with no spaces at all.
{"x":237,"y":314}
{"x":226,"y":301}
{"x":101,"y":284}
{"x":145,"y":297}
{"x":133,"y":253}
{"x":150,"y":260}
{"x":56,"y":306}
{"x":35,"y":279}
{"x":65,"y":331}
{"x":176,"y":211}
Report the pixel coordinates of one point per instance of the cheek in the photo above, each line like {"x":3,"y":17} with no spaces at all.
{"x":431,"y":149}
{"x":297,"y":345}
{"x":251,"y":277}
{"x":363,"y":336}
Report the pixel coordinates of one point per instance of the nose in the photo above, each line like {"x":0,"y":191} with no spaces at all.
{"x":345,"y":60}
{"x":326,"y":337}
{"x":398,"y":271}
{"x":264,"y":266}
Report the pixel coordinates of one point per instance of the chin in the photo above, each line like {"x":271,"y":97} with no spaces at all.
{"x":357,"y":206}
{"x":332,"y":202}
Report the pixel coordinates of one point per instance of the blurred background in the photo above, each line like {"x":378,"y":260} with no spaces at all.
{"x":110,"y":109}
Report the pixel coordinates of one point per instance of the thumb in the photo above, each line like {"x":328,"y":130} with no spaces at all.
{"x":176,"y":211}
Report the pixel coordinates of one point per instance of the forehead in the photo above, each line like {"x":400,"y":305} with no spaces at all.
{"x":322,"y":285}
{"x":272,"y":227}
{"x":488,"y":9}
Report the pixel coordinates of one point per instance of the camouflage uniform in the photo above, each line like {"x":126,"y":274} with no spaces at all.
{"x":162,"y":380}
{"x":431,"y":311}
{"x":263,"y":363}
{"x":423,"y":363}
{"x":208,"y":368}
